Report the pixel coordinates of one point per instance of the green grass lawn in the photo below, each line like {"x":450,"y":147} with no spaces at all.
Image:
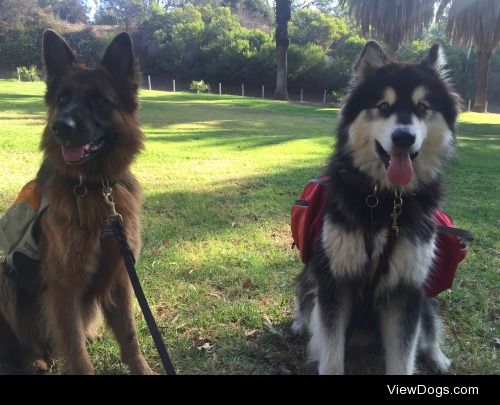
{"x":219,"y":175}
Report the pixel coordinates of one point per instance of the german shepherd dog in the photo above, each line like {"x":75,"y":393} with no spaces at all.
{"x":396,"y":134}
{"x":91,"y":137}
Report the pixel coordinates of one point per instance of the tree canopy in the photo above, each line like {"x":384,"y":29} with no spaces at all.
{"x":392,"y":21}
{"x":199,"y":40}
{"x":476,"y":23}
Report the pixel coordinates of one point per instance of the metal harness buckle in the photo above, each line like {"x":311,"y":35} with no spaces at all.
{"x":396,"y":210}
{"x":108,"y":199}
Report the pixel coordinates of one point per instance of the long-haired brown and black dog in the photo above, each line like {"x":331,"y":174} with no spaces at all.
{"x":92,"y":136}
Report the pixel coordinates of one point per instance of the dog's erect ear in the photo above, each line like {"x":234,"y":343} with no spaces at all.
{"x":58,"y":57}
{"x":371,"y":58}
{"x":435,"y":58}
{"x":119,"y":59}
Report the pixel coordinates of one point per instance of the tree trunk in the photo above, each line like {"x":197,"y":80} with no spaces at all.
{"x":283,"y":15}
{"x":482,"y":82}
{"x":281,"y":92}
{"x":390,"y":51}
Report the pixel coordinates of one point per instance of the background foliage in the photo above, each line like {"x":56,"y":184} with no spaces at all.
{"x":228,"y":41}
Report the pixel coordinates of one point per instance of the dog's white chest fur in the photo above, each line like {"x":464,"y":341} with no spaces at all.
{"x":409,"y":262}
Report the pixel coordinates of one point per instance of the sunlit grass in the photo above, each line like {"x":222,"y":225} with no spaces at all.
{"x":219,"y":175}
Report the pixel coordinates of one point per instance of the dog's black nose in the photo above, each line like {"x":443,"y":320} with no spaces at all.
{"x":64,"y":127}
{"x":403,"y":138}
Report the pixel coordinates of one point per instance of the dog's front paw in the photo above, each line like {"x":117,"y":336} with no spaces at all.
{"x":146,"y":371}
{"x":435,"y":361}
{"x":441,"y":363}
{"x":139,"y":366}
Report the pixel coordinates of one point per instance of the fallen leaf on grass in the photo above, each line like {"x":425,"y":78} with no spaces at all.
{"x":247,"y":284}
{"x":205,"y":346}
{"x":250,"y":333}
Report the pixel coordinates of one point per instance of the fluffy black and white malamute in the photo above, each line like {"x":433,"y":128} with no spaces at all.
{"x":395,"y":136}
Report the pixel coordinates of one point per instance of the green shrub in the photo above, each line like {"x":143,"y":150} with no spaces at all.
{"x":199,"y":86}
{"x":21,"y":44}
{"x":29,"y":74}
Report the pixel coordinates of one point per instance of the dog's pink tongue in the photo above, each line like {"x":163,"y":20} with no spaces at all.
{"x":400,"y":170}
{"x":72,"y":153}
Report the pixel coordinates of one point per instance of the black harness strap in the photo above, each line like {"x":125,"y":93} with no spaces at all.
{"x":362,"y":184}
{"x":461,"y":233}
{"x":383,"y":261}
{"x":129,"y":260}
{"x":383,"y":264}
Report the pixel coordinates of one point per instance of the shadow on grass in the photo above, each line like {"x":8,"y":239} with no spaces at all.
{"x":223,"y":136}
{"x":29,"y":104}
{"x":19,"y":96}
{"x":197,"y":100}
{"x":159,"y":114}
{"x":245,"y":129}
{"x":279,"y":351}
{"x":35,"y":120}
{"x":235,"y":202}
{"x":465,"y":128}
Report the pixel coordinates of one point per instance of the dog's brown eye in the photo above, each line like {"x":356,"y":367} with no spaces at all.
{"x":383,"y":106}
{"x":422,"y":108}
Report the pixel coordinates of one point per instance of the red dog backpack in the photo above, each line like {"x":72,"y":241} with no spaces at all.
{"x":307,"y":219}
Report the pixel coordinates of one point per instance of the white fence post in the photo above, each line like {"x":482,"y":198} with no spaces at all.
{"x":301,"y":95}
{"x":486,"y":107}
{"x":220,"y":89}
{"x":324,"y":97}
{"x":173,"y":85}
{"x":149,"y":81}
{"x":243,"y":90}
{"x":263,"y":91}
{"x":468,"y":107}
{"x":18,"y":74}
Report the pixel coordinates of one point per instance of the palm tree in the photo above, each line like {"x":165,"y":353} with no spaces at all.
{"x":391,"y":21}
{"x":477,"y":23}
{"x":283,"y":15}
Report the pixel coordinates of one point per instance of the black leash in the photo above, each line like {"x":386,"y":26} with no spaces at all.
{"x":114,"y":227}
{"x":129,"y":261}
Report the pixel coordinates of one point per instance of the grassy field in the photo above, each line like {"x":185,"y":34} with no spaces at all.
{"x":219,"y":175}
